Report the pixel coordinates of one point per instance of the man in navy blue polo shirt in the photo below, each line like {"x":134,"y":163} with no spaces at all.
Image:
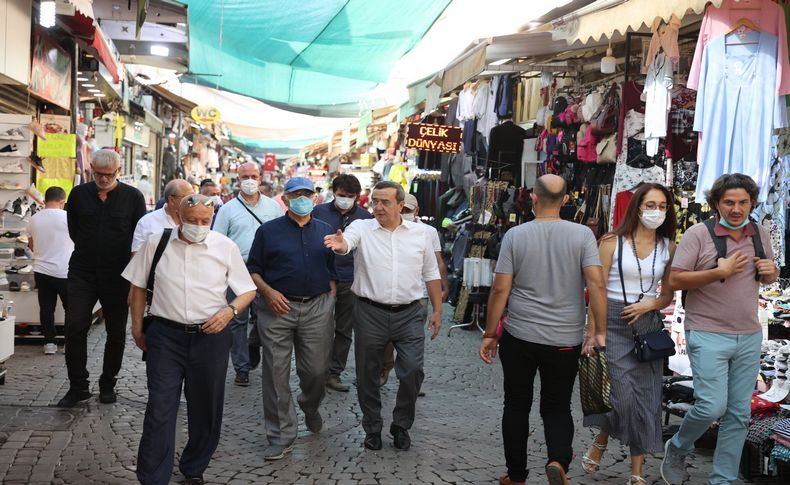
{"x":339,"y":213}
{"x":295,"y":276}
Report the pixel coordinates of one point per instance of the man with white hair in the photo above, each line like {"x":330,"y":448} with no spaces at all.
{"x":187,"y":340}
{"x":166,"y":217}
{"x":238,"y":220}
{"x":102,"y":216}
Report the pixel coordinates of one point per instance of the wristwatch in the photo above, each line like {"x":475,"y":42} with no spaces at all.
{"x":235,"y":310}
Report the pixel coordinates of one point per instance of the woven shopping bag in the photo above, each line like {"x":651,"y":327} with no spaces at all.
{"x":594,"y":385}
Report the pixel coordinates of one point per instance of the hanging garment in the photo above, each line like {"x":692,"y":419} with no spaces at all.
{"x":665,"y":39}
{"x":505,"y":150}
{"x":466,"y":101}
{"x":681,"y":139}
{"x":658,"y":87}
{"x":626,"y":178}
{"x":630,"y":100}
{"x":504,"y":96}
{"x":737,"y":110}
{"x":766,"y":15}
{"x":488,"y":119}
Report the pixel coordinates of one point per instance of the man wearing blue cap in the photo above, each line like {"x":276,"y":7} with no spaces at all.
{"x":295,"y":276}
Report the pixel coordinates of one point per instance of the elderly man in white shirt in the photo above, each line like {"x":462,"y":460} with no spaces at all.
{"x":393,"y":258}
{"x":188,"y":339}
{"x":166,"y":217}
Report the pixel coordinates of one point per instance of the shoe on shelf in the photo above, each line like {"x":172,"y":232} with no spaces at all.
{"x":26,"y":269}
{"x":556,"y":474}
{"x":255,"y":356}
{"x":24,"y":286}
{"x":36,"y":162}
{"x":194,"y":480}
{"x":38,"y":129}
{"x":14,"y":134}
{"x":673,"y":465}
{"x":20,"y":253}
{"x":400,"y":437}
{"x":74,"y":397}
{"x":107,"y":396}
{"x":9,"y":150}
{"x":51,"y":349}
{"x":242,"y":379}
{"x":13,"y":286}
{"x":11,"y":166}
{"x":314,"y":422}
{"x":336,"y":384}
{"x":505,"y":480}
{"x":373,"y":441}
{"x":277,"y":452}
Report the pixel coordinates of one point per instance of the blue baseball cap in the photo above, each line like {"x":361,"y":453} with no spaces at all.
{"x":299,"y":183}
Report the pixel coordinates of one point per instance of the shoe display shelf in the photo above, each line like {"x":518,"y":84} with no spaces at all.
{"x":17,"y":208}
{"x":6,"y":344}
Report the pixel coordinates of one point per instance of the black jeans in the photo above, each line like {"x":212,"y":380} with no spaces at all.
{"x":49,"y":289}
{"x":112,"y":293}
{"x":558,"y":367}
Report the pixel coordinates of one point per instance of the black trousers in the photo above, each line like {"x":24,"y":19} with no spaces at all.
{"x":199,"y":362}
{"x":49,"y":289}
{"x":83,"y":293}
{"x":558,"y":367}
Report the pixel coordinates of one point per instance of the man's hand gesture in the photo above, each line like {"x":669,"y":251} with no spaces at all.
{"x":336,"y":242}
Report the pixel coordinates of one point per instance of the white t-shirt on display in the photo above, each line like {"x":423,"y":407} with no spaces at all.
{"x":52,"y":246}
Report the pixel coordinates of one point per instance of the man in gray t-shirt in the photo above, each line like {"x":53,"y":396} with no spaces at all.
{"x":541,"y":273}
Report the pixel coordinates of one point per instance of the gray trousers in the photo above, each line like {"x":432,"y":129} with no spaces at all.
{"x":374,"y":328}
{"x":307,"y":329}
{"x":341,"y":345}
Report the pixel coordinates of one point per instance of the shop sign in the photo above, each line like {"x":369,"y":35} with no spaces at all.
{"x":50,"y":72}
{"x":434,"y":138}
{"x":205,"y":114}
{"x":137,"y":133}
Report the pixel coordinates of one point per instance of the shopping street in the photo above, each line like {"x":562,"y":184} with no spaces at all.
{"x":456,"y":435}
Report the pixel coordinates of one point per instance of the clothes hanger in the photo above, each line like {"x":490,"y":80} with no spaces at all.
{"x":740,"y":27}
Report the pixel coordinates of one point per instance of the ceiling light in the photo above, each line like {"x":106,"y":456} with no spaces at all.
{"x":608,"y":63}
{"x":160,"y":50}
{"x":46,"y":13}
{"x":99,"y":95}
{"x":79,"y":72}
{"x":88,"y":85}
{"x":94,"y":90}
{"x":82,"y":79}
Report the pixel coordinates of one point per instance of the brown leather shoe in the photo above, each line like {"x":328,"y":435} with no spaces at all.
{"x":556,"y":474}
{"x":505,"y":480}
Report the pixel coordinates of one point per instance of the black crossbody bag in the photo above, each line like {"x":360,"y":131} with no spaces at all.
{"x":650,"y":346}
{"x":149,"y":290}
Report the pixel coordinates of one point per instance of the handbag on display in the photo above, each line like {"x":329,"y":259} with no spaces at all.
{"x":594,"y":221}
{"x":653,"y":345}
{"x":595,"y":388}
{"x":606,"y":149}
{"x":604,"y":120}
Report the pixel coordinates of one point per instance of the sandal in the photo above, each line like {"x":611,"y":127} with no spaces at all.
{"x":588,"y":464}
{"x":636,"y":480}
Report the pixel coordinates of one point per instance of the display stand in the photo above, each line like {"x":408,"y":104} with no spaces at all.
{"x":6,"y":344}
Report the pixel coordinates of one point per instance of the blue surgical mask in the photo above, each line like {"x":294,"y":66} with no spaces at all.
{"x":302,"y":205}
{"x":729,"y":226}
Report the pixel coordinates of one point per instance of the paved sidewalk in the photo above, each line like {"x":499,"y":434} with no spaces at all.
{"x":456,"y":437}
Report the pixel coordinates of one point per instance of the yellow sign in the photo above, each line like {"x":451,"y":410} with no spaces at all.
{"x":205,"y":114}
{"x":58,"y":145}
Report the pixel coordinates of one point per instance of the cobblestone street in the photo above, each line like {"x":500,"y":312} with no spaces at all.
{"x":456,"y":437}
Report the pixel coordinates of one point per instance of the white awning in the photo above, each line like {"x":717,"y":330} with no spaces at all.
{"x":605,"y":17}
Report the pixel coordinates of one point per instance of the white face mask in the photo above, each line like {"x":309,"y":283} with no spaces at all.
{"x":344,"y":203}
{"x":194,"y":233}
{"x":217,"y":200}
{"x":653,"y":219}
{"x":409,"y":217}
{"x":249,"y":186}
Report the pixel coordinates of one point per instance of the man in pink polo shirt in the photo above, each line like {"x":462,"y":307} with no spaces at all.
{"x":723,"y":334}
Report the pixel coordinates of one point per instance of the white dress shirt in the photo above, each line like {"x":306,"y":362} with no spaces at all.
{"x":191,"y":279}
{"x":52,"y":246}
{"x":152,"y":223}
{"x":391,"y":266}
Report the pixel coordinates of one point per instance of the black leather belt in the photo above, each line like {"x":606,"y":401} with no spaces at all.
{"x":301,"y":299}
{"x":184,"y":327}
{"x":384,"y":306}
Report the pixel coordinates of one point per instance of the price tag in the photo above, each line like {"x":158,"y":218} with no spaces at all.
{"x":512,"y":217}
{"x":684,"y":203}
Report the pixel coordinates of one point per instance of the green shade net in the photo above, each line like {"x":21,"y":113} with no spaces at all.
{"x":309,"y":53}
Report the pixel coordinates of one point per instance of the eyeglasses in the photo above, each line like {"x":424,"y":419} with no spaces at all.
{"x":105,"y":175}
{"x":194,"y":200}
{"x":651,"y":206}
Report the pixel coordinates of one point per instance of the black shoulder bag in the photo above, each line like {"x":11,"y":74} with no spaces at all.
{"x":650,"y":346}
{"x":248,"y":209}
{"x":149,"y":290}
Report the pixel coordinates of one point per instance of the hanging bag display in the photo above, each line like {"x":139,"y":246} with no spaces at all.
{"x":606,"y":149}
{"x":604,"y":121}
{"x":594,"y":221}
{"x":650,"y":346}
{"x":595,"y":388}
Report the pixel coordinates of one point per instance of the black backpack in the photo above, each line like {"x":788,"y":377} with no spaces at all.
{"x":720,"y":242}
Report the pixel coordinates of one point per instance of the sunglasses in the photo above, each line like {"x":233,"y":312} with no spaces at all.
{"x":194,"y":200}
{"x":105,"y":175}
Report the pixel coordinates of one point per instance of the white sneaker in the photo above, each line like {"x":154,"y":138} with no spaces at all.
{"x":26,"y":269}
{"x":51,"y":349}
{"x":11,"y":166}
{"x":12,"y":134}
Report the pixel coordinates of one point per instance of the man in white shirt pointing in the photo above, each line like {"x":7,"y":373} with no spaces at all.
{"x":393,"y":258}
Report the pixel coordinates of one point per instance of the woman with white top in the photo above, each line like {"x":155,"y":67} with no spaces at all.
{"x":646,"y":234}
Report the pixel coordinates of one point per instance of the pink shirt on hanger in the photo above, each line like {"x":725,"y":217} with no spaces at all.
{"x":719,"y":21}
